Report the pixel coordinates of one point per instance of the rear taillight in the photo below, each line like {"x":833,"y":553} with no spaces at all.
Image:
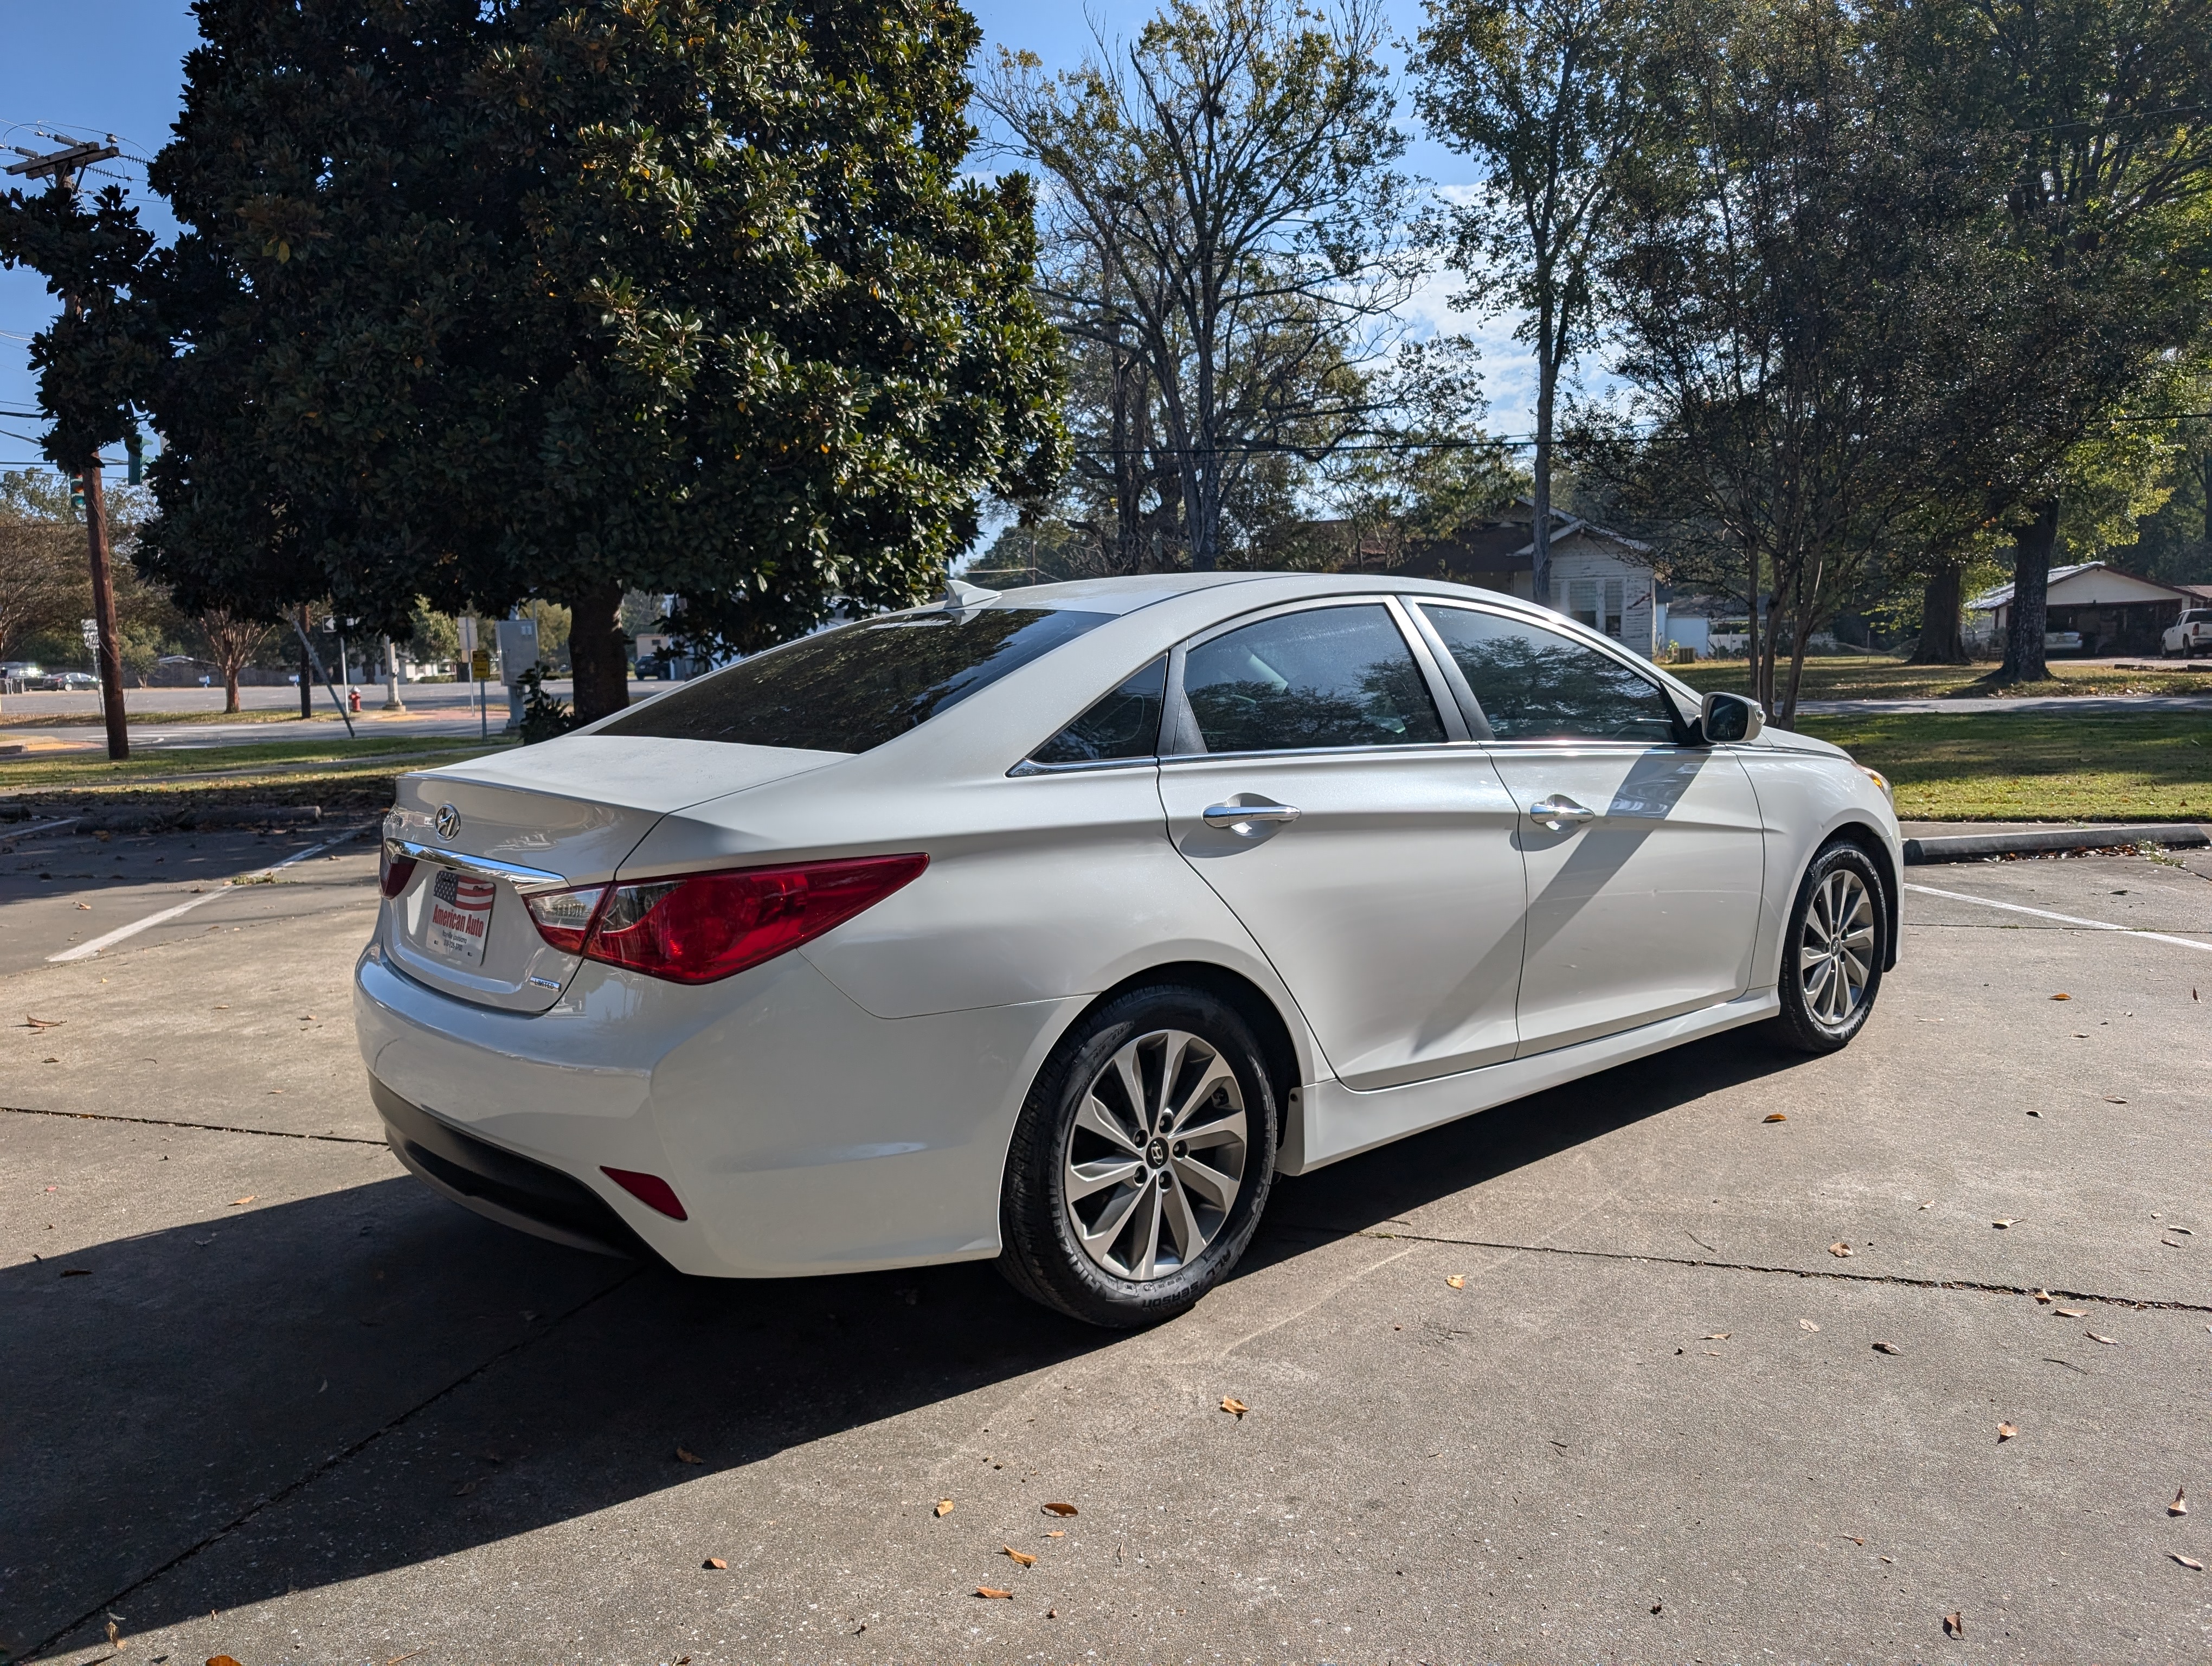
{"x":696,"y":927}
{"x":392,"y":872}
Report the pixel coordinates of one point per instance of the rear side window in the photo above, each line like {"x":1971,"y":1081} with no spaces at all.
{"x":1125,"y":724}
{"x":1321,"y":677}
{"x":1536,"y":685}
{"x":853,"y":688}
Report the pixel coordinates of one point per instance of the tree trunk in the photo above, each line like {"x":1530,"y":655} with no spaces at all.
{"x":596,"y":655}
{"x":307,"y":669}
{"x":2031,"y":595}
{"x":1942,"y":643}
{"x":229,"y":688}
{"x":1547,"y":376}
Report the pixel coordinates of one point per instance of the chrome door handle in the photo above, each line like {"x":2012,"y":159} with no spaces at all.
{"x":1243,"y":819}
{"x":1557,"y":810}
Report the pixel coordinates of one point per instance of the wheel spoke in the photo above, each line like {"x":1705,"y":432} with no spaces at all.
{"x":1131,"y":1070}
{"x":1183,"y":1222}
{"x":1145,"y":1263}
{"x":1096,"y":1118}
{"x":1098,"y":1240}
{"x":1216,"y":1074}
{"x":1216,"y":1188}
{"x":1228,"y":1128}
{"x":1082,"y":1179}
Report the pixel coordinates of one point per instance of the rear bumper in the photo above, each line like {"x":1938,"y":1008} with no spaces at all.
{"x":801,"y":1134}
{"x":501,"y":1185}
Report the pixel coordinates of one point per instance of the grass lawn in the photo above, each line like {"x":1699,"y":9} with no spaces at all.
{"x":1878,"y":677}
{"x":94,"y":719}
{"x":2148,"y":766}
{"x":336,"y":774}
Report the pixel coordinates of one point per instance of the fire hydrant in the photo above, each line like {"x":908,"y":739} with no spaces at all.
{"x":353,"y":700}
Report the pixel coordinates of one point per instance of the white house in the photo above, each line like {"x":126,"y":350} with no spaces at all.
{"x":2094,"y":608}
{"x":1599,"y":576}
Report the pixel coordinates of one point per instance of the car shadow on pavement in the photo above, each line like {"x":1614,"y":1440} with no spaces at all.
{"x":373,"y":1378}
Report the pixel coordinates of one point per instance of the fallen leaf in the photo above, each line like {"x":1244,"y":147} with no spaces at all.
{"x":465,"y":1489}
{"x":1954,"y":1625}
{"x":1887,"y":1347}
{"x":1021,"y":1556}
{"x":240,"y":1202}
{"x":77,"y":1272}
{"x":1055,"y":1509}
{"x":1716,"y":1336}
{"x":945,"y":1507}
{"x":715,"y":1563}
{"x":2002,"y":1224}
{"x":2070,"y":1313}
{"x":2180,"y":1504}
{"x":1774,"y":1116}
{"x":1839,"y":1249}
{"x":985,"y":1590}
{"x":2109,"y":1341}
{"x":221,"y":1660}
{"x":1856,"y":1539}
{"x":2062,"y":997}
{"x":2042,"y":1296}
{"x":1235,"y":1407}
{"x":2006,"y":1431}
{"x":43,"y":1024}
{"x":2185,"y":1232}
{"x":2114,"y":1099}
{"x":1457,"y":1280}
{"x":1057,"y":1533}
{"x":87,"y":906}
{"x":2186,"y":1562}
{"x":1806,"y":1324}
{"x":683,"y":1456}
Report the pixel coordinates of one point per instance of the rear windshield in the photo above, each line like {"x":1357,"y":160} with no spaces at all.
{"x":853,"y":688}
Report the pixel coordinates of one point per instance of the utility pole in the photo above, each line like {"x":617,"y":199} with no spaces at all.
{"x":65,"y":164}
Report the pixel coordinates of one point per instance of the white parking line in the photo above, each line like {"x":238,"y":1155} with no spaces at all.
{"x":2063,"y":919}
{"x":43,"y":827}
{"x":86,"y":950}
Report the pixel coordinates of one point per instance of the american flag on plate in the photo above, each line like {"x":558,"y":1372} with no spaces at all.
{"x":460,"y":916}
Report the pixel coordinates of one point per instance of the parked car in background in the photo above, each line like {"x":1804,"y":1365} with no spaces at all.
{"x":71,"y":682}
{"x":2187,"y":636}
{"x":1047,"y":926}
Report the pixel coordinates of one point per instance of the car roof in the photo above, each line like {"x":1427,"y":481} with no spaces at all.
{"x":1127,"y":594}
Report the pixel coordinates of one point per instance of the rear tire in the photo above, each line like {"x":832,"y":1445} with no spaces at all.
{"x":1141,"y":1161}
{"x":1833,"y":951}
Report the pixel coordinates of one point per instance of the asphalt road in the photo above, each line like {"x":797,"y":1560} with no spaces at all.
{"x":262,"y":1394}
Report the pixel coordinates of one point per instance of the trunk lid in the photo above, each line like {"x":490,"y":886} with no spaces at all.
{"x":487,"y":834}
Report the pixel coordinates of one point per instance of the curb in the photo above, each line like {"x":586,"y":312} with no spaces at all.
{"x":246,"y":815}
{"x":1969,"y":847}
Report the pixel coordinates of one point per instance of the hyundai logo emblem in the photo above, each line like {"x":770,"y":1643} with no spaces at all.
{"x":448,"y":821}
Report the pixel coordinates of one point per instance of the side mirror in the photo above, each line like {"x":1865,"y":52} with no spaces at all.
{"x":1729,"y":717}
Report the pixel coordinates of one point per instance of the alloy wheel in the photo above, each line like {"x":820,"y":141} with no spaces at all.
{"x":1835,"y":955}
{"x":1155,"y":1157}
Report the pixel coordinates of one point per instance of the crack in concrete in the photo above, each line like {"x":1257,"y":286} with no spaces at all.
{"x":171,"y":1123}
{"x":1901,"y":1280}
{"x":393,"y":1426}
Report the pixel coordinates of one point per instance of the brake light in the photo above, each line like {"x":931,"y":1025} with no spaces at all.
{"x":392,"y":872}
{"x":699,"y":927}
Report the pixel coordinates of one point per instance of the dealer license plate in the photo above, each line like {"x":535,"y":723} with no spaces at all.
{"x":459,"y":918}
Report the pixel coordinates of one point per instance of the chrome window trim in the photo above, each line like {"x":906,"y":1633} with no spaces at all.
{"x":528,"y":881}
{"x":1029,"y":767}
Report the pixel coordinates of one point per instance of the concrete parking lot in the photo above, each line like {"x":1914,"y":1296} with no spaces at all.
{"x":262,"y":1394}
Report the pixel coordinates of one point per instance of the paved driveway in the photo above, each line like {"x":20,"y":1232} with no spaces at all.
{"x":262,"y":1394}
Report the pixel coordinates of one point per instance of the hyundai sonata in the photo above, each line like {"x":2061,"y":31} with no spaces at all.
{"x":1050,"y":924}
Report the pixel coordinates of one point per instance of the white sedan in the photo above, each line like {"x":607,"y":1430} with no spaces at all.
{"x":1049,"y":926}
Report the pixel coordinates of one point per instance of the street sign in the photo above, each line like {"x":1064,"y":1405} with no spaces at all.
{"x":480,"y":665}
{"x":91,"y":630}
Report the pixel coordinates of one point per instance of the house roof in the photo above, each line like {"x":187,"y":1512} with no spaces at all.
{"x":2095,"y":581}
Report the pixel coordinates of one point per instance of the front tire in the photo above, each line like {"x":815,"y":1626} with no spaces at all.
{"x":1833,"y":952}
{"x":1143,"y":1157}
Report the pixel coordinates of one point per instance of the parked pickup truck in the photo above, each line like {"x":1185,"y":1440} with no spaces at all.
{"x":2189,"y":636}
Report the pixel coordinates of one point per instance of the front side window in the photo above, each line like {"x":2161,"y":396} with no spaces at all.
{"x":1320,"y":677}
{"x":1536,"y":685}
{"x":854,"y":688}
{"x":1125,"y":724}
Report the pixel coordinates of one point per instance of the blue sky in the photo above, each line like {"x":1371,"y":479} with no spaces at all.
{"x":94,"y":67}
